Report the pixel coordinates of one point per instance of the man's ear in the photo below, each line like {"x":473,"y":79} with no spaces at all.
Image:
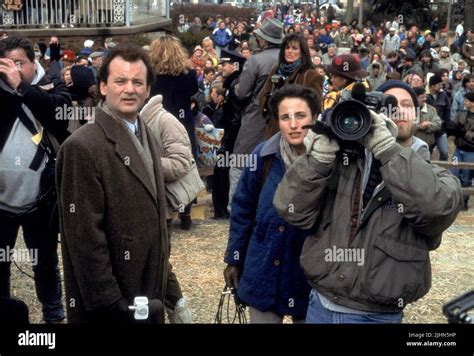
{"x":103,"y":88}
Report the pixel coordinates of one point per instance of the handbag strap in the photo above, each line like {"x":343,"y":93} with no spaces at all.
{"x":158,"y":137}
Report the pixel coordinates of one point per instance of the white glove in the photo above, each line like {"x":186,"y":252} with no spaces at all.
{"x":321,"y":147}
{"x":382,"y":135}
{"x":181,"y":314}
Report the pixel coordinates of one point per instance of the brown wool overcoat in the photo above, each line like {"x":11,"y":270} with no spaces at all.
{"x":113,"y":229}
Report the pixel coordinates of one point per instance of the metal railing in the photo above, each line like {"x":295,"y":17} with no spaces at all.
{"x":79,"y":13}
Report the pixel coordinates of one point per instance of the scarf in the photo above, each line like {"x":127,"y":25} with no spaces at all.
{"x":288,"y":152}
{"x":286,"y":69}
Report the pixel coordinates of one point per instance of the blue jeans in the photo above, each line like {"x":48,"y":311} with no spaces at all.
{"x":464,"y":175}
{"x":442,"y":146}
{"x":318,"y":314}
{"x":39,"y":237}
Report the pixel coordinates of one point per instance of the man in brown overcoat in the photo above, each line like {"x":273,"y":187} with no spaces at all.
{"x":112,"y":202}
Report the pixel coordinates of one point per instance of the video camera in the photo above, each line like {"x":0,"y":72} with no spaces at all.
{"x":350,"y":119}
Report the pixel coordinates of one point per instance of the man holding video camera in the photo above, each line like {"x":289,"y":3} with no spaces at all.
{"x":375,"y":207}
{"x":29,"y":136}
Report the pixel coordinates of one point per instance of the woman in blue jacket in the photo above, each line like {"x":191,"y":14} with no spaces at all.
{"x":263,"y":250}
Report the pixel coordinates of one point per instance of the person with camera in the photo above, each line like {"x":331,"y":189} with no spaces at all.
{"x":345,"y":71}
{"x":30,"y":134}
{"x":294,"y":67}
{"x":112,"y":203}
{"x":262,"y":253}
{"x":375,"y":209}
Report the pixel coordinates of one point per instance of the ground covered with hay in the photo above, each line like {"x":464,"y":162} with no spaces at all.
{"x":197,"y":257}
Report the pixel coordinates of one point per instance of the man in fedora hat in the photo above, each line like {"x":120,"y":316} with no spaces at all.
{"x":254,"y":74}
{"x":345,"y":71}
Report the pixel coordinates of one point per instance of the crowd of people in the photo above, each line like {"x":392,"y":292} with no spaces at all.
{"x":308,"y":193}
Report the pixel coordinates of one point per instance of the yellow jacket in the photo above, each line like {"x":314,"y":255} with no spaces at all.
{"x":333,"y":97}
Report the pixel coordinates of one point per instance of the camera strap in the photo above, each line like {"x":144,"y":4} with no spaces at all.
{"x":42,"y":149}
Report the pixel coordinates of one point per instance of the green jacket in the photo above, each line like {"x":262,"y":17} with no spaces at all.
{"x":402,"y":222}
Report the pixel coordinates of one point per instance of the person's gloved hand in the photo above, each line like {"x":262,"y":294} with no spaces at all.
{"x":182,"y":313}
{"x":381,"y":136}
{"x":321,"y":147}
{"x":232,"y":276}
{"x":156,"y":314}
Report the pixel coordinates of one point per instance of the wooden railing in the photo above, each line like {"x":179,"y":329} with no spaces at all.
{"x":457,"y":165}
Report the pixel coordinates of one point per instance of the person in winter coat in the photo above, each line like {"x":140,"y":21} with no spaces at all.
{"x":468,"y":50}
{"x":176,"y":161}
{"x":177,"y":83}
{"x":467,"y":86}
{"x":429,"y":122}
{"x":228,"y":112}
{"x":376,"y":75}
{"x":33,"y":125}
{"x":294,"y":67}
{"x":222,"y":37}
{"x":463,"y":128}
{"x":372,"y":225}
{"x":262,"y":253}
{"x":251,"y":81}
{"x":391,"y":42}
{"x":440,"y":101}
{"x":112,"y":202}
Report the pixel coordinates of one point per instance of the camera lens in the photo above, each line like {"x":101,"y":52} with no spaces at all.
{"x":350,"y":120}
{"x":350,"y":124}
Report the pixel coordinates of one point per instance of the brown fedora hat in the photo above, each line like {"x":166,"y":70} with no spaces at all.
{"x":348,"y":66}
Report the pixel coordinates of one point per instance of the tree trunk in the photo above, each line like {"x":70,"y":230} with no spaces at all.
{"x":468,"y":14}
{"x":349,"y":11}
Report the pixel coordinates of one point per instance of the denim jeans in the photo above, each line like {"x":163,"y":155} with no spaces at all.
{"x":464,"y":175}
{"x":38,"y":237}
{"x":442,"y":146}
{"x":318,"y":314}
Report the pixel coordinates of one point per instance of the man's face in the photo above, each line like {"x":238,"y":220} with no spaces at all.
{"x":405,"y":115}
{"x":470,"y":84}
{"x":422,"y":100}
{"x":444,"y":54}
{"x":376,"y":71}
{"x":209,"y":77}
{"x":403,"y":43}
{"x":222,"y":25}
{"x":227,"y":69}
{"x":217,"y":99}
{"x":426,"y":59}
{"x":97,"y":62}
{"x":53,"y":39}
{"x":468,"y":104}
{"x":436,"y":88}
{"x":26,"y":67}
{"x":126,"y":89}
{"x":246,"y":53}
{"x":331,"y":51}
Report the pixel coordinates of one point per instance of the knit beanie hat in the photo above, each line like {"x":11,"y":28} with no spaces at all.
{"x":399,"y":84}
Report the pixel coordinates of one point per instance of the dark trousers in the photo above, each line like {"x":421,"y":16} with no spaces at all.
{"x":40,"y":237}
{"x":220,"y":191}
